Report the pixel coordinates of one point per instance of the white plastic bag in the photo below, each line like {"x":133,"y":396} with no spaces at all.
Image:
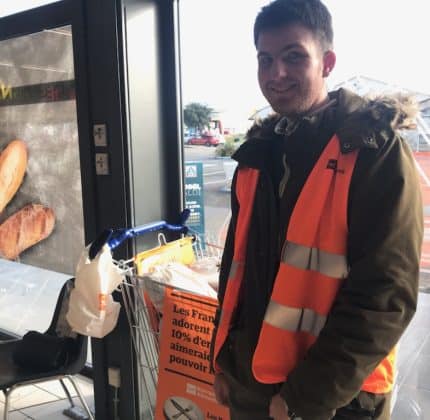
{"x":92,"y":310}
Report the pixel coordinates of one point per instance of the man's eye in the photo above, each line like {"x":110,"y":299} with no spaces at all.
{"x":293,"y":57}
{"x":264,"y":61}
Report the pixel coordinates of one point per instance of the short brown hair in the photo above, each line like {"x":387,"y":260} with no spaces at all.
{"x":312,"y":14}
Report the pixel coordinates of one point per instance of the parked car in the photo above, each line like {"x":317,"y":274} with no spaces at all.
{"x":187,"y":138}
{"x":205,"y":140}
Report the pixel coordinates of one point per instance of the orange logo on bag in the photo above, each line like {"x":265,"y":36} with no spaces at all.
{"x":102,"y":301}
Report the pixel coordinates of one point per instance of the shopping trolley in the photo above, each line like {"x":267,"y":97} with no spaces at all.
{"x":143,"y":317}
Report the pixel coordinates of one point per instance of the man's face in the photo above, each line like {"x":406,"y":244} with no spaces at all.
{"x":292,"y":68}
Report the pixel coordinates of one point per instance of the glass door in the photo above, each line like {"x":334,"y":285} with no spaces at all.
{"x":62,"y":95}
{"x":42,"y":144}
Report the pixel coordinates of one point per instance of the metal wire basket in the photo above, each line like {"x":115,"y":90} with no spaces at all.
{"x":145,"y":320}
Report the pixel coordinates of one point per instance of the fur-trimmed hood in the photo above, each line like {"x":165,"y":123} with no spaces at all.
{"x":361,"y":121}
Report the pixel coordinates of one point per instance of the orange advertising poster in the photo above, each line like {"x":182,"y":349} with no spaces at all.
{"x":185,"y":379}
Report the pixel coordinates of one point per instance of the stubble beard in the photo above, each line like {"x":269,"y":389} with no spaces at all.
{"x":299,"y":105}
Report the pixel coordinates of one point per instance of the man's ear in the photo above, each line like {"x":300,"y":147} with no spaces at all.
{"x":329,"y":61}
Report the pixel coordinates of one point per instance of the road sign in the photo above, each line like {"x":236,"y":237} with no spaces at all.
{"x":194,"y":199}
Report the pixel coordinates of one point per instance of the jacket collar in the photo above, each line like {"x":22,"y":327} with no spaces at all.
{"x":361,"y":123}
{"x":370,"y":122}
{"x":286,"y":126}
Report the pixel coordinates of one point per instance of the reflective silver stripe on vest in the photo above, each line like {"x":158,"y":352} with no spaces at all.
{"x":294,"y":319}
{"x":306,"y":258}
{"x":221,"y":318}
{"x":233,"y":269}
{"x":231,"y":277}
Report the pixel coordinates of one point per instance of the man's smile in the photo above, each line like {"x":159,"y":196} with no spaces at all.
{"x":282,"y":90}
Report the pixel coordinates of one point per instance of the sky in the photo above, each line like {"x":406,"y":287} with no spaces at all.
{"x":381,"y":39}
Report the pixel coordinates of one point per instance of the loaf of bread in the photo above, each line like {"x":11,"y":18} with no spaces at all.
{"x":13,"y":163}
{"x":25,"y":228}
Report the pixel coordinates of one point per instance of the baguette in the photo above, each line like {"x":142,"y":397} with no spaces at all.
{"x":25,"y":228}
{"x":13,"y":163}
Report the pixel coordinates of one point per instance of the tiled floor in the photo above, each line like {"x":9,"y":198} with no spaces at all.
{"x":413,"y":381}
{"x":45,"y":401}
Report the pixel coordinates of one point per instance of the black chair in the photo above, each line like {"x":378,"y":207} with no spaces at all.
{"x":13,"y":376}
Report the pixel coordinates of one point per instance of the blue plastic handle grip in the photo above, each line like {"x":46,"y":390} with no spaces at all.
{"x":116,"y":237}
{"x":121,"y":235}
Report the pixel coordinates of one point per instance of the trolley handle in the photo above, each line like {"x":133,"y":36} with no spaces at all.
{"x":114,"y":238}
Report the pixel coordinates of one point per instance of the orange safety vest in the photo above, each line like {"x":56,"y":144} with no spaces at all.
{"x":312,"y":269}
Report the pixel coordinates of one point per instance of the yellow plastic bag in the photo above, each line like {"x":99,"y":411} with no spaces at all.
{"x":180,"y":251}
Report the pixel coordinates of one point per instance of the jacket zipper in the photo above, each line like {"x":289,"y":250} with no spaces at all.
{"x":282,"y":185}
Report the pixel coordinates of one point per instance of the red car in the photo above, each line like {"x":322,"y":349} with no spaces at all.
{"x":204,"y":139}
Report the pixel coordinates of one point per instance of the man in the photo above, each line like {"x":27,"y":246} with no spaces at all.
{"x":319,"y":275}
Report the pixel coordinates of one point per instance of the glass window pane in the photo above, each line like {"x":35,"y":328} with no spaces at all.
{"x":41,"y":225}
{"x":374,"y":55}
{"x":218,"y":66}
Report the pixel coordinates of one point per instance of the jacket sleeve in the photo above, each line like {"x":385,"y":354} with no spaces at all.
{"x":378,"y":299}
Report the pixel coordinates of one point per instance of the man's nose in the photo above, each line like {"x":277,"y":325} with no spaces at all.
{"x":279,"y":70}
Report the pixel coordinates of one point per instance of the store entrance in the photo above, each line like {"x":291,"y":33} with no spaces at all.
{"x":47,"y":189}
{"x":42,"y":221}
